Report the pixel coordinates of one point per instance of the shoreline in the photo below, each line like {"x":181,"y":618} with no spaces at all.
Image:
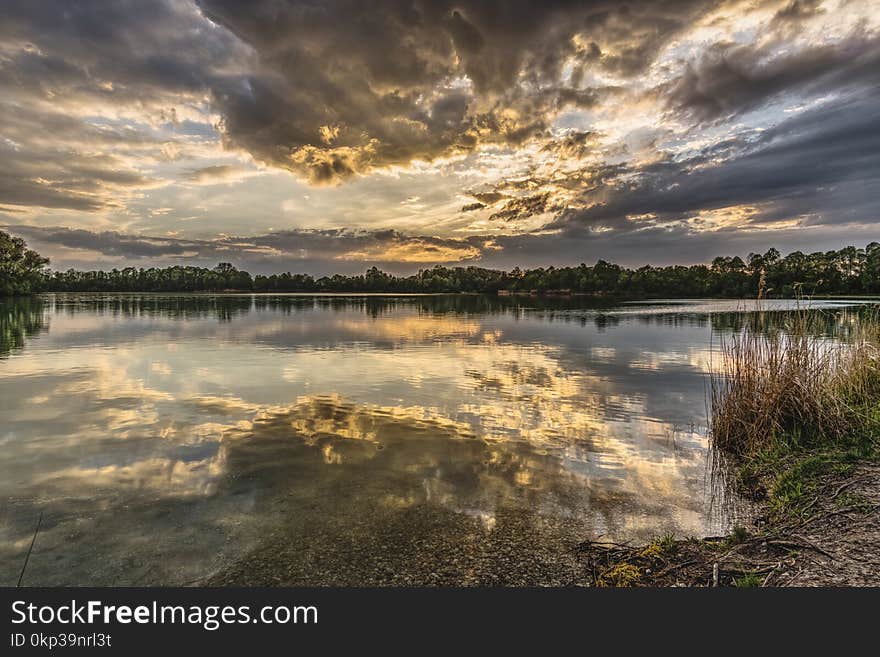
{"x":611,"y":299}
{"x":832,"y":539}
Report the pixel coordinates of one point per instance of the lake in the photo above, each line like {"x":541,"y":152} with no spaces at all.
{"x":344,"y":440}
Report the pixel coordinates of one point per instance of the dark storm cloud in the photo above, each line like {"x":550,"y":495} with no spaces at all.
{"x":329,"y":89}
{"x":663,"y":245}
{"x":57,"y":173}
{"x":489,"y":198}
{"x":109,"y":243}
{"x":63,"y":62}
{"x":822,"y":163}
{"x":797,"y":10}
{"x":333,"y":89}
{"x":575,"y":145}
{"x":316,"y":251}
{"x":368,"y":84}
{"x":819,"y":167}
{"x":730,"y":79}
{"x":72,"y":50}
{"x":522,"y":208}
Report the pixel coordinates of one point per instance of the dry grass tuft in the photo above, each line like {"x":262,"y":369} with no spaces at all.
{"x":791,"y":383}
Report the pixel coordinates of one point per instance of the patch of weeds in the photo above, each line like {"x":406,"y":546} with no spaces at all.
{"x":662,"y":547}
{"x":619,"y":575}
{"x":855,"y":502}
{"x":668,"y":544}
{"x":793,"y":413}
{"x":842,"y":468}
{"x":749,"y":480}
{"x":738,"y":534}
{"x":749,"y":580}
{"x":757,"y":471}
{"x":652,"y":551}
{"x":798,"y":481}
{"x":796,"y":487}
{"x":772,"y":475}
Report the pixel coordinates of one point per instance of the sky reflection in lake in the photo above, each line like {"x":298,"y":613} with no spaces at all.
{"x":346,"y":440}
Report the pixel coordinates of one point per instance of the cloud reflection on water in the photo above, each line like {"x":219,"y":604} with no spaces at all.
{"x":165,"y":442}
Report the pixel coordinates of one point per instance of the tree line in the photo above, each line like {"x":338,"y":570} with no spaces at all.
{"x":849,"y":270}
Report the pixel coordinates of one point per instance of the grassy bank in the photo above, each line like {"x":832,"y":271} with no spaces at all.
{"x":790,"y":406}
{"x":794,"y":419}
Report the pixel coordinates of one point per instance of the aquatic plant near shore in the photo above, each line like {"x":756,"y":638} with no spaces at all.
{"x":792,"y":384}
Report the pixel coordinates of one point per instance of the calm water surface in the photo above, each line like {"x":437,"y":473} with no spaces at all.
{"x":349,"y":440}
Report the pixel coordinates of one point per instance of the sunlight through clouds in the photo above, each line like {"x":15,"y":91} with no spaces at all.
{"x":558,"y":134}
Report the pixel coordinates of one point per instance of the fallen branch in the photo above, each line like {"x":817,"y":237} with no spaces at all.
{"x":801,"y":543}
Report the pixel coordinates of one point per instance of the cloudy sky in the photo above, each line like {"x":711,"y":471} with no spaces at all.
{"x":328,"y":136}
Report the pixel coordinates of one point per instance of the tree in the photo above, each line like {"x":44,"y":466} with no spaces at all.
{"x":871,"y":270}
{"x":21,"y":269}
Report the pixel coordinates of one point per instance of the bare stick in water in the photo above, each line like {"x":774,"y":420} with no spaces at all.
{"x":31,"y":548}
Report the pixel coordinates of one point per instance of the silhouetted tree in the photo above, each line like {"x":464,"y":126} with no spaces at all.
{"x":21,"y":269}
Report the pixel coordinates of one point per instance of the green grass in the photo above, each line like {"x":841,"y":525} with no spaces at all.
{"x":854,"y":501}
{"x":738,"y":535}
{"x":668,"y":544}
{"x":795,"y":409}
{"x":749,"y":580}
{"x":662,"y":547}
{"x":790,"y":477}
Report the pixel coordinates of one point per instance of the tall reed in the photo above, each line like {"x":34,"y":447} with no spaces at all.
{"x":789,"y":382}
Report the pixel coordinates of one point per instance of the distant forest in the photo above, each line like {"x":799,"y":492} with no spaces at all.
{"x":849,"y":270}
